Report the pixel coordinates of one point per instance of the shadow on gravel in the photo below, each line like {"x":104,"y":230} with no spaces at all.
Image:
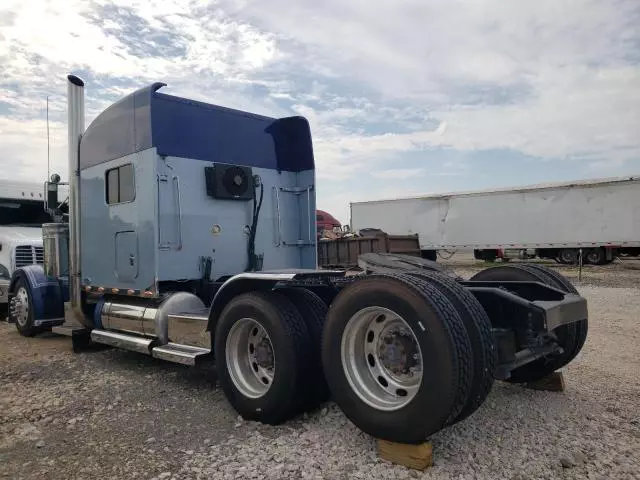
{"x":144,"y":365}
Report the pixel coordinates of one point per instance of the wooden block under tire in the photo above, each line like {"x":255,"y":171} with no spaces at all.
{"x":418,"y":457}
{"x":553,"y":382}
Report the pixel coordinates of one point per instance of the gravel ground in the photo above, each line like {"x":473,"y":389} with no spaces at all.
{"x":116,"y":414}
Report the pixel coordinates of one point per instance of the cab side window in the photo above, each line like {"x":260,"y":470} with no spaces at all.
{"x":120,"y":186}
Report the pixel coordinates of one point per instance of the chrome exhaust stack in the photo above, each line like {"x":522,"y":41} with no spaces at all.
{"x":75,"y":126}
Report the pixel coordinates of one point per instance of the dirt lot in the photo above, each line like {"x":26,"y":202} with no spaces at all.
{"x":121,"y":415}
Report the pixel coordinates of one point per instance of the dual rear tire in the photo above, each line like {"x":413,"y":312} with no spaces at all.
{"x":426,"y":358}
{"x":403,"y":355}
{"x":267,"y":348}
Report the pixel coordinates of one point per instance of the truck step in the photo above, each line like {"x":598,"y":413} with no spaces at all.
{"x":122,"y":340}
{"x":190,"y":328}
{"x":79,"y":334}
{"x":70,"y":330}
{"x":177,"y":353}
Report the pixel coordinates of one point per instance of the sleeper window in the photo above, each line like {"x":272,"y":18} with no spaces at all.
{"x":112,"y":186}
{"x":120,"y":184}
{"x":127,"y":192}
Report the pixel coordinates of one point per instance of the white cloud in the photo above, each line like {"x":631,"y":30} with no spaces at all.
{"x":547,"y":79}
{"x":551,"y":80}
{"x":42,"y":41}
{"x":398,"y":173}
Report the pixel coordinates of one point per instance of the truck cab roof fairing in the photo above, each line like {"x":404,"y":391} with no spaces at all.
{"x":186,"y":128}
{"x":123,"y":128}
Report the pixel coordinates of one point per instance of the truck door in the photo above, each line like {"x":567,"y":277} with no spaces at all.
{"x":126,"y":255}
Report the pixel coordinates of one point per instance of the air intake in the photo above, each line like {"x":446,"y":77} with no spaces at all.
{"x":229,"y":182}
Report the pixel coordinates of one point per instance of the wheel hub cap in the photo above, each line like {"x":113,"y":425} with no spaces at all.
{"x":250,"y":358}
{"x":264,"y":354}
{"x":398,"y":353}
{"x":381,"y":358}
{"x":20,"y":306}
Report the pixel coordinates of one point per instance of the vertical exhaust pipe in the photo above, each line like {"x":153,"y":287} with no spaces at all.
{"x":75,"y":126}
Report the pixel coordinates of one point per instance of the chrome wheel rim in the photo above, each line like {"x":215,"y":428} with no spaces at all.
{"x":381,"y":358}
{"x":250,"y":358}
{"x":21,"y":306}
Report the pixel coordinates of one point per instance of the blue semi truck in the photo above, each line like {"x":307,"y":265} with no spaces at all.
{"x":189,"y":234}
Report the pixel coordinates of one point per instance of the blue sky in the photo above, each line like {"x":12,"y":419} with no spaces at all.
{"x":407,"y":97}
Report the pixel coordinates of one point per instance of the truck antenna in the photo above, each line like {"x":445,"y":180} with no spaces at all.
{"x":48,"y":155}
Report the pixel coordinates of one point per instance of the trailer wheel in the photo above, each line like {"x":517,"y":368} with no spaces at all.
{"x":568,"y":256}
{"x":262,"y":349}
{"x":596,"y":256}
{"x":21,"y":310}
{"x":570,"y":337}
{"x":313,"y":311}
{"x":478,"y":326}
{"x":397,"y":357}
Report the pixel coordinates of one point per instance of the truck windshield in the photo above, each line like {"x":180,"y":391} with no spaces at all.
{"x":25,"y":213}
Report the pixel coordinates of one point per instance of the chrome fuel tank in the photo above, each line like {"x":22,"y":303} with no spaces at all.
{"x":147,"y":317}
{"x":55,"y":240}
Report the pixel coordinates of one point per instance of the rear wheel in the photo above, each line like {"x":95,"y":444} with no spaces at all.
{"x":568,"y":256}
{"x":313,"y":311}
{"x":263,"y":355}
{"x":397,"y":357}
{"x":570,"y":337}
{"x":478,"y":328}
{"x":21,"y":310}
{"x":596,"y":256}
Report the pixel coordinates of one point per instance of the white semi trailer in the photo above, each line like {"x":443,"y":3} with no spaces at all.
{"x":599,"y":217}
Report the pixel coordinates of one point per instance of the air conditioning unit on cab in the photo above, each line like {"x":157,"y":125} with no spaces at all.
{"x":229,"y":182}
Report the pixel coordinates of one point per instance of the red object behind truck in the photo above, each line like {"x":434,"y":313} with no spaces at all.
{"x":325,"y":221}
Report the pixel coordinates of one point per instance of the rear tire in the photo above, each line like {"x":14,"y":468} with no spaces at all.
{"x":266,"y":380}
{"x":596,"y":256}
{"x":313,"y":311}
{"x":478,"y":328}
{"x":568,"y":256}
{"x":570,"y":337}
{"x":404,"y":323}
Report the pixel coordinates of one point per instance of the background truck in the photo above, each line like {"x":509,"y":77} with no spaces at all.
{"x":326,"y":221}
{"x":172,"y":251}
{"x":601,"y":217}
{"x":22,"y":214}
